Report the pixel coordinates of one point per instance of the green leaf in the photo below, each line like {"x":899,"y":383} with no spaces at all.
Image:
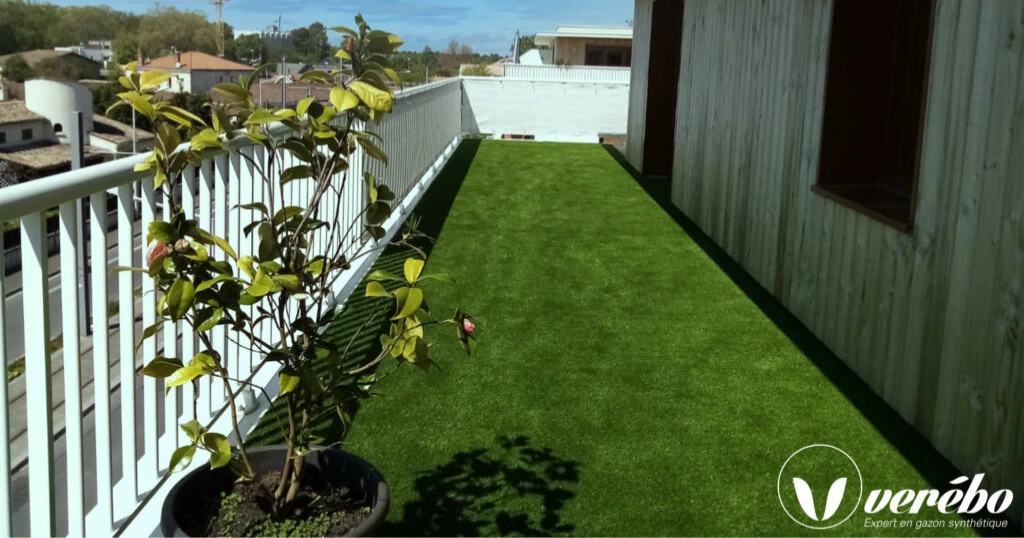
{"x":213,"y":282}
{"x":415,"y":349}
{"x":286,"y":213}
{"x":261,"y":285}
{"x":262,"y":116}
{"x":342,"y":54}
{"x":374,"y":98}
{"x":208,"y":318}
{"x":289,"y":381}
{"x":344,"y":30}
{"x":343,"y":99}
{"x":205,"y":139}
{"x":289,"y":282}
{"x":316,"y":267}
{"x":381,"y":275}
{"x":220,"y":449}
{"x":377,"y":213}
{"x":302,"y":106}
{"x":413,"y":268}
{"x":439,"y":277}
{"x":409,"y":301}
{"x":209,"y":239}
{"x":372,"y":150}
{"x":193,"y":430}
{"x":202,"y":364}
{"x":233,"y":91}
{"x":179,"y":298}
{"x":181,"y":458}
{"x":162,"y":231}
{"x":257,"y":206}
{"x":161,"y":367}
{"x":296,"y":172}
{"x":375,"y":289}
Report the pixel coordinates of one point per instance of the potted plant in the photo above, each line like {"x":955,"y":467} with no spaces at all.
{"x":306,"y":486}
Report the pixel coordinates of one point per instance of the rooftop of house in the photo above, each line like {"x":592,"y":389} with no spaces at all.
{"x":33,"y":57}
{"x":45,"y":155}
{"x":115,"y":131}
{"x":194,"y":61}
{"x":593,"y":32}
{"x":16,"y":112}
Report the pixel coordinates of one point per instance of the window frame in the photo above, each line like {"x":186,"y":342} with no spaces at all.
{"x":29,"y":131}
{"x":832,"y":191}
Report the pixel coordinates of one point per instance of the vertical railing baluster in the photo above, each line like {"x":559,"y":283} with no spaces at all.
{"x":170,"y":328}
{"x":220,"y":224}
{"x":35,"y":293}
{"x":5,"y":446}
{"x":126,"y":330}
{"x":151,"y":436}
{"x":232,"y":215}
{"x":188,"y":337}
{"x":72,"y":367}
{"x":101,"y":356}
{"x":244,"y":190}
{"x":205,"y":216}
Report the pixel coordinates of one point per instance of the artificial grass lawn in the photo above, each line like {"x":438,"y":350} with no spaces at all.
{"x":624,"y":384}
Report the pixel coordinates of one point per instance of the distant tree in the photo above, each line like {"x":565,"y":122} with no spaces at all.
{"x":527,"y":42}
{"x":62,"y":69}
{"x":250,"y":49}
{"x":319,"y":43}
{"x":17,"y":69}
{"x":125,"y":47}
{"x":163,"y":28}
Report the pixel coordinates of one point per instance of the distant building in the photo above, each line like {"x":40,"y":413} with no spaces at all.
{"x":588,"y":45}
{"x":196,"y":72}
{"x":97,"y":51}
{"x":58,"y":64}
{"x":34,"y":132}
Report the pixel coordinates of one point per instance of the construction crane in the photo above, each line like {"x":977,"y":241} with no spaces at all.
{"x":219,"y":4}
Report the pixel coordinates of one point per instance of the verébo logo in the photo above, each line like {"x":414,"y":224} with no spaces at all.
{"x":820,"y":486}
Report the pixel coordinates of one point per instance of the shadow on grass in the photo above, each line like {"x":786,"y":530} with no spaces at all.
{"x":468,"y":495}
{"x":356,"y":329}
{"x":914,"y":447}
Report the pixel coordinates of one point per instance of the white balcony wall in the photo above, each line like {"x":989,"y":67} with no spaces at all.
{"x":568,"y":73}
{"x":546,"y":110}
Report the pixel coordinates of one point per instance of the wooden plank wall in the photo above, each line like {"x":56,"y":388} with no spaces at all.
{"x":642,"y":21}
{"x":931,"y":319}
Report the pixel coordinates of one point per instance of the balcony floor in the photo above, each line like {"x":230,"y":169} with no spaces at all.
{"x":631,"y":380}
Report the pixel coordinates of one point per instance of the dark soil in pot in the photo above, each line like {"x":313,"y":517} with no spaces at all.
{"x":342,"y":495}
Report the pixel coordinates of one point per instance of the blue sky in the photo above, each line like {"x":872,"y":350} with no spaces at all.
{"x":486,"y":25}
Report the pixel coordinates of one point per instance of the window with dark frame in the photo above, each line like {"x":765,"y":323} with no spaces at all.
{"x":598,"y":55}
{"x":26,"y":134}
{"x":3,"y":138}
{"x":874,"y":106}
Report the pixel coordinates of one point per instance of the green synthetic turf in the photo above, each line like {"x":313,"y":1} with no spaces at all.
{"x":624,"y":384}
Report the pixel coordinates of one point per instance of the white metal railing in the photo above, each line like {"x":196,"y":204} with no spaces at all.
{"x":568,"y":73}
{"x":101,"y":496}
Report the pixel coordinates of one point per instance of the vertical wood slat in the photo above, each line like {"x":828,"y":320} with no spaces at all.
{"x":232,"y":214}
{"x":35,"y":292}
{"x":5,"y":429}
{"x":101,"y":356}
{"x":151,"y":435}
{"x":244,"y":195}
{"x":72,"y":367}
{"x":126,"y":329}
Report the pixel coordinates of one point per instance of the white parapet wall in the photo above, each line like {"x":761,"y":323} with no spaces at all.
{"x":543,"y":109}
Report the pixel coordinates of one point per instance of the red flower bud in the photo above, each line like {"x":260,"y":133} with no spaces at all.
{"x":468,"y":326}
{"x":155,"y":251}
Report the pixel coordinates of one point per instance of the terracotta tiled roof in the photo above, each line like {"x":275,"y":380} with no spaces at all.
{"x":195,"y":61}
{"x":15,"y":111}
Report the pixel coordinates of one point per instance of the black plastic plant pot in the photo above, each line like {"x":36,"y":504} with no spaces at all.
{"x":336,"y":466}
